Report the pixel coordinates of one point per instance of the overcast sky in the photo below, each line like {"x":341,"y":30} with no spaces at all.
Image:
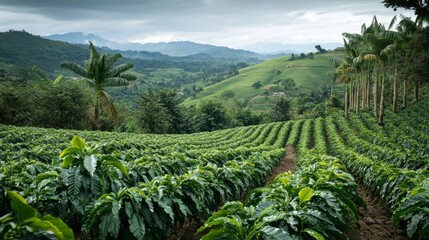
{"x":232,"y":23}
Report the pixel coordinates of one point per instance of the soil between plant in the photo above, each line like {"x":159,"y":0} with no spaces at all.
{"x":376,"y":223}
{"x":286,"y":164}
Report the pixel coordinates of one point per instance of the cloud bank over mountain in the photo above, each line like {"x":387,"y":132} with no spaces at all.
{"x":235,"y":24}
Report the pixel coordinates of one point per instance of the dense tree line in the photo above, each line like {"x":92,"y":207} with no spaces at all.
{"x":381,"y":61}
{"x":161,"y":112}
{"x":45,"y":104}
{"x":29,"y":97}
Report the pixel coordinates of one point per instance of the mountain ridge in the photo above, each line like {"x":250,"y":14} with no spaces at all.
{"x":174,"y":49}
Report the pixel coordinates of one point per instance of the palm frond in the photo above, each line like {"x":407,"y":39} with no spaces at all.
{"x":111,"y":59}
{"x":90,"y":82}
{"x":390,"y":35}
{"x":93,"y":52}
{"x":119,"y":69}
{"x":115,"y":82}
{"x":129,"y":77}
{"x":390,"y":50}
{"x":407,"y":26}
{"x":392,"y":22}
{"x":357,"y":60}
{"x":42,"y":74}
{"x":363,"y":29}
{"x":76,"y":68}
{"x":337,"y":60}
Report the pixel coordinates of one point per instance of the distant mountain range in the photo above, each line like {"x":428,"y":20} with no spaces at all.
{"x":24,"y":49}
{"x":185,"y":48}
{"x":175,"y":49}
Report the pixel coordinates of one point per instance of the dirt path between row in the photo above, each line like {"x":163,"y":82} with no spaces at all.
{"x":286,"y":164}
{"x":187,"y":231}
{"x":376,"y":223}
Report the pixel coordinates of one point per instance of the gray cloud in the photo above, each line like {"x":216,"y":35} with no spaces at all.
{"x":232,"y":23}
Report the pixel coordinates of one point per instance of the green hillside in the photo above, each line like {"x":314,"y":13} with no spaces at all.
{"x":308,"y":74}
{"x":20,"y":50}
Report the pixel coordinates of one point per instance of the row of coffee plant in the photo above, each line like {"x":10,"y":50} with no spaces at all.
{"x":114,"y":185}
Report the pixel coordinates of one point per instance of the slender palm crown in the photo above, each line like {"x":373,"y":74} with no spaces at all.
{"x":99,"y":71}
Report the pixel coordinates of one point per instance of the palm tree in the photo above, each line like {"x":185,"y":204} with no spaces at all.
{"x":393,"y":52}
{"x":345,"y":68}
{"x":99,"y":71}
{"x":379,"y":47}
{"x":408,"y":29}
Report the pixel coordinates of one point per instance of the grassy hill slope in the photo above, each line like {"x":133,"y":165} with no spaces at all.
{"x":308,"y":74}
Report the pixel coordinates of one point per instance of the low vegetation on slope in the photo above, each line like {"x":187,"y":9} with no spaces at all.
{"x":258,"y":83}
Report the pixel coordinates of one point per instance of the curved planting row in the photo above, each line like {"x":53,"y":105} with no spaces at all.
{"x":319,"y":201}
{"x":157,"y":180}
{"x":407,"y":191}
{"x":384,"y":153}
{"x":151,"y":210}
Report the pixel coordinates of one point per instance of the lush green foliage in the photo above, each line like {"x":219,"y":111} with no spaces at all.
{"x":319,"y":201}
{"x":389,"y":159}
{"x":396,"y":171}
{"x":24,"y":223}
{"x":110,"y":184}
{"x":45,"y":104}
{"x":112,"y":187}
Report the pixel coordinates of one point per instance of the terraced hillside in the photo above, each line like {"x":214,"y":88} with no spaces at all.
{"x":125,"y":186}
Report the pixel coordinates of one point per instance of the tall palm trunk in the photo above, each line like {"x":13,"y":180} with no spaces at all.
{"x":376,"y":96}
{"x":346,"y":103}
{"x":351,"y":96}
{"x":404,"y":95}
{"x":368,"y":95}
{"x":357,"y":99}
{"x":362,"y":96}
{"x":395,"y":88}
{"x":381,"y":115}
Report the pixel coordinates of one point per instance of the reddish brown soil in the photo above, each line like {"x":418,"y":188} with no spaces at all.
{"x":187,"y":231}
{"x":376,"y":223}
{"x":286,"y":164}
